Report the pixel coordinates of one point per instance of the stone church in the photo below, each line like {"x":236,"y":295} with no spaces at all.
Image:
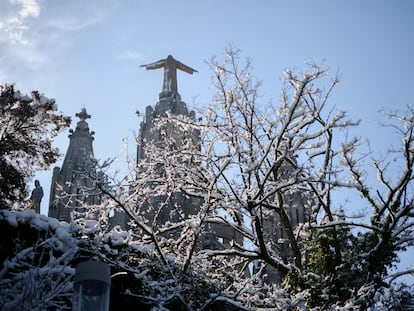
{"x":73,"y":186}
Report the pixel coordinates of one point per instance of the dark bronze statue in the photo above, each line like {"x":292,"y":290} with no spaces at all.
{"x":170,"y":65}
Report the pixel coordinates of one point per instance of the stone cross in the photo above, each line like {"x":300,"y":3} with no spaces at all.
{"x":170,"y":65}
{"x":83,"y":115}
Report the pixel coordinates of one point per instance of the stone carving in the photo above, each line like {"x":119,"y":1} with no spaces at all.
{"x":37,"y":195}
{"x":83,"y":115}
{"x":170,"y":65}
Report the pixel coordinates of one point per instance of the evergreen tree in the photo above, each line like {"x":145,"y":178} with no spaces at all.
{"x":27,"y":128}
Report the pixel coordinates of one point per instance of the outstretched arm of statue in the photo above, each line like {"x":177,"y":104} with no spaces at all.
{"x":156,"y":65}
{"x":185,"y":68}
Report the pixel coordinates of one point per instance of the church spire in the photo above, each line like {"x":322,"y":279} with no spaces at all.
{"x":70,"y":183}
{"x":80,"y":151}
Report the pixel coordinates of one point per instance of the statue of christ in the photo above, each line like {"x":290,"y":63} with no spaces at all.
{"x":170,"y":65}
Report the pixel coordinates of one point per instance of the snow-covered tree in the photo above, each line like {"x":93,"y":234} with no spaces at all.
{"x":36,"y":255}
{"x":28,"y":125}
{"x":237,"y":210}
{"x":267,"y":174}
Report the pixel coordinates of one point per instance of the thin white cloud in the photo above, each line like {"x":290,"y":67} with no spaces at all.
{"x":15,"y":28}
{"x":16,"y":23}
{"x":28,"y":8}
{"x":76,"y":22}
{"x":35,"y":37}
{"x":129,"y":55}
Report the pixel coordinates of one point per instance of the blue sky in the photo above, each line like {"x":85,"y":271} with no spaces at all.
{"x":86,"y":53}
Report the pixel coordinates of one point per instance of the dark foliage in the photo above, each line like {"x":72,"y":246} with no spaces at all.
{"x":27,"y":128}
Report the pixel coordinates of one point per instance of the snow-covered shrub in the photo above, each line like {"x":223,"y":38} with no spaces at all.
{"x":35,"y":257}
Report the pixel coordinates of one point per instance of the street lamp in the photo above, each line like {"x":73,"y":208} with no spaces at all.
{"x":91,"y":286}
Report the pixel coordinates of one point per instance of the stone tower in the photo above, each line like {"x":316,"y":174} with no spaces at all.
{"x":72,"y":186}
{"x":155,"y":130}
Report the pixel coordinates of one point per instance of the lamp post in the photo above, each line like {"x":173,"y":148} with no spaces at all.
{"x":91,"y":286}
